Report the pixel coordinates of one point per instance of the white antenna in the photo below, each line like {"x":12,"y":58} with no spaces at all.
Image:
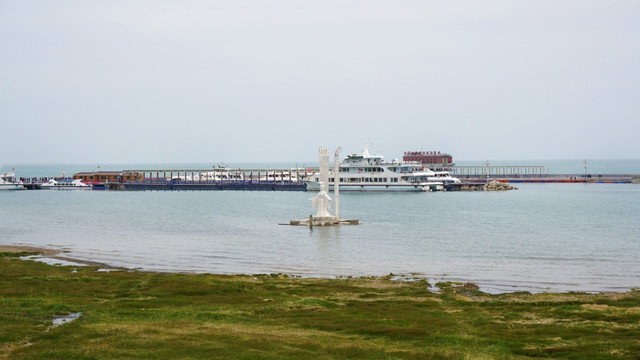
{"x":367,"y":145}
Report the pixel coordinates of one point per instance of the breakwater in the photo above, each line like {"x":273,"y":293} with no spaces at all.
{"x":552,"y":178}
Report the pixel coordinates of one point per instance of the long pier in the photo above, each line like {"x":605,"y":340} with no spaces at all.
{"x":211,"y":179}
{"x":292,"y":179}
{"x":532,"y":174}
{"x":232,"y":185}
{"x":492,"y":170}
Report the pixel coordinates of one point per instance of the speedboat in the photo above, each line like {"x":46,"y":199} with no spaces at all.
{"x":445,"y":177}
{"x":8,"y":181}
{"x":76,"y":184}
{"x":367,"y":172}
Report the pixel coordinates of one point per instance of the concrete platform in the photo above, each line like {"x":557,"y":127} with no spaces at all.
{"x":323,"y":221}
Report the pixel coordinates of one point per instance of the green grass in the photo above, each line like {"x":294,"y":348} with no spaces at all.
{"x":178,"y":316}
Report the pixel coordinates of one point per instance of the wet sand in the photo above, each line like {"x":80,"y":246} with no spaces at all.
{"x":52,"y":254}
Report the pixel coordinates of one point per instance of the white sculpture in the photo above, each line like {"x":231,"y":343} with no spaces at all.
{"x":322,"y":201}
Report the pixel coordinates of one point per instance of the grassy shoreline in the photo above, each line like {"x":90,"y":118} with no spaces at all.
{"x":128,"y":314}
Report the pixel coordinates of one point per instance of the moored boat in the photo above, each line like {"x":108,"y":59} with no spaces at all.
{"x":8,"y":181}
{"x":445,"y":177}
{"x":64,"y":184}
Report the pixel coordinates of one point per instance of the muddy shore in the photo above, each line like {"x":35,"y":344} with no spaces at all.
{"x":50,"y":253}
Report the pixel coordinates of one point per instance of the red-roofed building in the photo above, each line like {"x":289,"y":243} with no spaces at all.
{"x":430,"y":159}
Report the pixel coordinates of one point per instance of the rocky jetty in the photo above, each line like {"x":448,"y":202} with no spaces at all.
{"x":498,"y":186}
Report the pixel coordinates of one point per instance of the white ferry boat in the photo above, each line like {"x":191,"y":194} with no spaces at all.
{"x":366,"y":172}
{"x":8,"y":181}
{"x":76,"y":184}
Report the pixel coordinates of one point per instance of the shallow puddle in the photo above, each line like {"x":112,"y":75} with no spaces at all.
{"x":63,"y":319}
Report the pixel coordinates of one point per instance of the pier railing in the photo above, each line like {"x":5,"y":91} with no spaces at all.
{"x":216,"y":176}
{"x":493,"y":170}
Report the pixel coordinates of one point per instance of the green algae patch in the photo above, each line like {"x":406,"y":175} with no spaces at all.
{"x":197,"y":316}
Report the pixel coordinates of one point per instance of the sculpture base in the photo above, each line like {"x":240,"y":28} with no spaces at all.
{"x":323,"y":221}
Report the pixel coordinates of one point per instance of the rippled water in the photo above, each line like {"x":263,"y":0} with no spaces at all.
{"x":542,"y":237}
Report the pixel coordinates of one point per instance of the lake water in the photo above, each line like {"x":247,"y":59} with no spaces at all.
{"x":542,"y":237}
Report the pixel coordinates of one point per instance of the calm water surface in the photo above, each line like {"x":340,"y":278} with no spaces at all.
{"x":542,"y":237}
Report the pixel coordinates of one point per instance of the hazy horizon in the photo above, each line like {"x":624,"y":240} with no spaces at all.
{"x":302,"y":162}
{"x":250,"y":81}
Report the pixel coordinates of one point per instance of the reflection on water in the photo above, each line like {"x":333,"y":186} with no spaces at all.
{"x":559,"y":237}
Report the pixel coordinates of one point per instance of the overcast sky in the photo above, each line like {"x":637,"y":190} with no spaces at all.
{"x":263,"y":81}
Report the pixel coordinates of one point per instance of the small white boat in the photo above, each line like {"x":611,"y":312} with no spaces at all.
{"x":76,"y":184}
{"x":444,"y":177}
{"x":8,"y":181}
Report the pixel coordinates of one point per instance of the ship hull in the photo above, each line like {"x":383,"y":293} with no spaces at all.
{"x":314,"y":186}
